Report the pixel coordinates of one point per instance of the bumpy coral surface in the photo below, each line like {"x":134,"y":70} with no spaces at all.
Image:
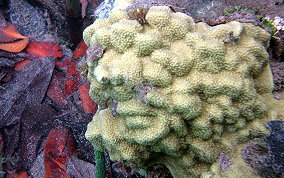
{"x":174,"y":92}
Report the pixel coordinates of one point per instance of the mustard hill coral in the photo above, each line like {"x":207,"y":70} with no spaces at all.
{"x":181,"y":92}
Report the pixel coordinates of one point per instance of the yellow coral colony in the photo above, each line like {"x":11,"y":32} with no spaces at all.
{"x":176,"y":92}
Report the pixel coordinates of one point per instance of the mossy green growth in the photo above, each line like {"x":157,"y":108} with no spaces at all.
{"x":176,"y":92}
{"x":230,"y":10}
{"x":100,"y":164}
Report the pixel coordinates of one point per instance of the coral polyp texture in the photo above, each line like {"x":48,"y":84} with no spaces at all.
{"x":176,"y":92}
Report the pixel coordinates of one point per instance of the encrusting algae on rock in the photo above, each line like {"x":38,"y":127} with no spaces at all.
{"x":176,"y":92}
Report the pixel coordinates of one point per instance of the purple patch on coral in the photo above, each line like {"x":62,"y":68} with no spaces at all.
{"x":224,"y":161}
